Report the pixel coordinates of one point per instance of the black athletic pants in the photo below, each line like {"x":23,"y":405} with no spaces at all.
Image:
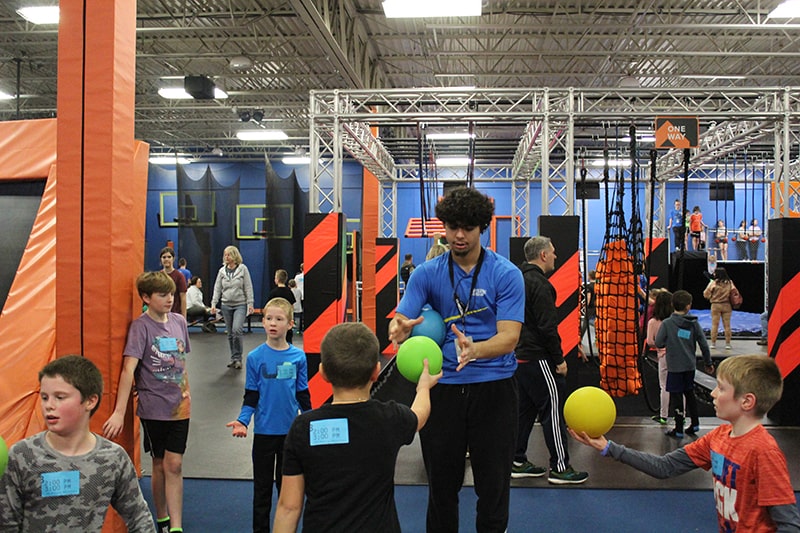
{"x":481,"y":418}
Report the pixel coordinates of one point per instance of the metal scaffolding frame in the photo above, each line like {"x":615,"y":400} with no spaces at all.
{"x":733,"y":118}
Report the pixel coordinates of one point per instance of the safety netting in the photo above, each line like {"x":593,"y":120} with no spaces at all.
{"x":617,"y":289}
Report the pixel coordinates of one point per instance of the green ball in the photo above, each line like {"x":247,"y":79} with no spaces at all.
{"x":411,"y":354}
{"x":3,"y":456}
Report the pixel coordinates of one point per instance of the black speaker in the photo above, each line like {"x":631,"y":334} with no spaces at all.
{"x":200,"y":87}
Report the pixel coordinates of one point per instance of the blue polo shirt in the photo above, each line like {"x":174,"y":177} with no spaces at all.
{"x":499,"y":294}
{"x":677,"y":217}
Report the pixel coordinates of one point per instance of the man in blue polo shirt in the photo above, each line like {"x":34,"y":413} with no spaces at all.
{"x":481,"y":297}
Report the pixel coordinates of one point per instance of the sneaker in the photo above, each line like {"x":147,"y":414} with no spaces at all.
{"x":692,"y":430}
{"x":163,"y":527}
{"x":236,"y":365}
{"x":713,"y":345}
{"x":570,"y":476}
{"x":674,"y":433}
{"x":660,"y":419}
{"x":526,"y":469}
{"x":761,"y":342}
{"x":727,"y":346}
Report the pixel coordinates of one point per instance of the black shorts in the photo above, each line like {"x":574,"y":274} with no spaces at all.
{"x":680,"y":382}
{"x":696,"y":234}
{"x":165,"y":435}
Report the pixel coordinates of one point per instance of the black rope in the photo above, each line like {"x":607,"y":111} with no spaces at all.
{"x":471,"y":164}
{"x":585,"y":258}
{"x":682,"y":251}
{"x":643,"y":348}
{"x":421,"y":163}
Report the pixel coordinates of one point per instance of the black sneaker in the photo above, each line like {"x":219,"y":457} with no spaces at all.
{"x":526,"y":469}
{"x":236,"y":365}
{"x":692,"y":430}
{"x":674,"y":433}
{"x":163,"y":527}
{"x":570,"y":476}
{"x":762,"y":341}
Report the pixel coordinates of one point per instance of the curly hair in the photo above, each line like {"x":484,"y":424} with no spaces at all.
{"x":465,"y":208}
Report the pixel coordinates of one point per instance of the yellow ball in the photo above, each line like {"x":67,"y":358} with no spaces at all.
{"x":590,"y":409}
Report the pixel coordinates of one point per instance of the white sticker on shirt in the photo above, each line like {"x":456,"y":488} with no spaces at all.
{"x":329,"y":431}
{"x":287,"y":371}
{"x":61,"y":484}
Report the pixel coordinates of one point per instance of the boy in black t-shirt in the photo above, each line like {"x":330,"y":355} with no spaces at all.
{"x":341,"y":456}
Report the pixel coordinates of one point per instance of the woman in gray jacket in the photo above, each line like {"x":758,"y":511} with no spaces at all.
{"x":233,"y":290}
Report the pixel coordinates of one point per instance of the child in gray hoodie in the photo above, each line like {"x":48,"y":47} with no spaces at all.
{"x":680,"y":334}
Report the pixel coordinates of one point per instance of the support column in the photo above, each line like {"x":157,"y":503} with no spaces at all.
{"x":101,"y":191}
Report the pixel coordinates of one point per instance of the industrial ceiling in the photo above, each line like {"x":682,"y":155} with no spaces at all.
{"x":268,"y":55}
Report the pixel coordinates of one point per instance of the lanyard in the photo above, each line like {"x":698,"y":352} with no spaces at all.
{"x":462,"y":308}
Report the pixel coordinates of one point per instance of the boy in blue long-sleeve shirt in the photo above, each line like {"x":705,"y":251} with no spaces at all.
{"x":276,"y":390}
{"x":680,"y":334}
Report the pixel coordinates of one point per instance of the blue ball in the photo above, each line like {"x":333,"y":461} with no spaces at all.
{"x":432,"y":326}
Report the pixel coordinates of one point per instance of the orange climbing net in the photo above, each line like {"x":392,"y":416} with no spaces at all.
{"x":616,"y":324}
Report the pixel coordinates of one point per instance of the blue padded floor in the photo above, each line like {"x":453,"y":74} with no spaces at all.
{"x":743,"y":324}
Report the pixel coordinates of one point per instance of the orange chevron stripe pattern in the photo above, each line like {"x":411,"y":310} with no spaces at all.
{"x":321,"y":233}
{"x":569,"y":332}
{"x":564,"y":279}
{"x":787,"y":355}
{"x":388,"y":271}
{"x":660,"y":241}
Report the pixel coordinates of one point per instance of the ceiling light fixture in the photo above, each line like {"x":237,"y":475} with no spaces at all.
{"x":599,"y":163}
{"x":299,"y":157}
{"x":446,"y":161}
{"x":258,"y":115}
{"x":40,"y":14}
{"x":190,"y":87}
{"x":296,"y":160}
{"x":5,"y":96}
{"x":788,"y":9}
{"x":641,"y":136}
{"x":427,"y":8}
{"x":174,"y":93}
{"x":712,"y":77}
{"x":261,"y":135}
{"x":168,"y":159}
{"x":240,"y":63}
{"x":451,"y":136}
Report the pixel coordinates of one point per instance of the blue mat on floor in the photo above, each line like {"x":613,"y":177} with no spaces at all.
{"x":212,"y":506}
{"x":743,"y":324}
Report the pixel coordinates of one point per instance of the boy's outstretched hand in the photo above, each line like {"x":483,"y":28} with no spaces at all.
{"x":426,"y":379}
{"x":598,"y":443}
{"x":239,"y":429}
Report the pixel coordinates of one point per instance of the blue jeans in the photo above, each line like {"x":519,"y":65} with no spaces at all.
{"x":234,"y":324}
{"x":764,"y":321}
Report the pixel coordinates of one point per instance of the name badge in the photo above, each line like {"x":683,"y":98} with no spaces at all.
{"x":287,"y":371}
{"x":717,"y":462}
{"x":684,"y":334}
{"x":168,"y":344}
{"x":330,"y":431}
{"x":61,"y":484}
